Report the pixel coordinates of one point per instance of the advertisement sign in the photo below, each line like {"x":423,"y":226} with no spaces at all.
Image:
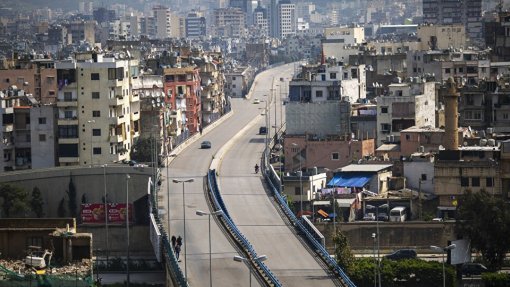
{"x":93,"y":213}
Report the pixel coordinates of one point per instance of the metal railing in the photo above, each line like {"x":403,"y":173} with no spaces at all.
{"x":270,"y":176}
{"x":238,"y":236}
{"x":171,"y":261}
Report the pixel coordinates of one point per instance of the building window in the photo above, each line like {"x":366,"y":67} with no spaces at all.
{"x":96,"y":132}
{"x":505,"y":116}
{"x":233,"y":78}
{"x":94,"y":76}
{"x":68,"y":114}
{"x":42,"y":138}
{"x":385,"y":127}
{"x":96,"y":114}
{"x":332,"y":76}
{"x":489,"y":182}
{"x":42,"y":121}
{"x":423,"y":176}
{"x":475,"y":181}
{"x":68,"y":96}
{"x":384,"y":110}
{"x":464,"y":181}
{"x":447,"y":71}
{"x":96,"y":150}
{"x":95,"y":95}
{"x":318,"y":94}
{"x":335,"y":156}
{"x":297,"y":190}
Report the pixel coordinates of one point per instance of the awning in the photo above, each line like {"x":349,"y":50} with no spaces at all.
{"x":322,"y":202}
{"x":345,"y":202}
{"x":350,"y":179}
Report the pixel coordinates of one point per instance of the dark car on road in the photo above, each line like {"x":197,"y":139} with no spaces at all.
{"x":205,"y":144}
{"x":469,"y":269}
{"x":262,"y":130}
{"x":402,"y":254}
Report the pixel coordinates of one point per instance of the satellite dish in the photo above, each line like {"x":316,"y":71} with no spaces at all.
{"x":158,"y":100}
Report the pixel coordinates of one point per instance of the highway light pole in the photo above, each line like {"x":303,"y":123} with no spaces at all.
{"x":369,"y":206}
{"x":127,"y":226}
{"x":106,"y":214}
{"x":217,"y":213}
{"x":443,"y":250}
{"x":184,"y":223}
{"x":260,"y":258}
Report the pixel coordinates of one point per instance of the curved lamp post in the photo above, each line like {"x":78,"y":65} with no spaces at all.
{"x":369,"y":206}
{"x":260,"y":258}
{"x":184,"y":223}
{"x":443,"y":250}
{"x":202,"y":213}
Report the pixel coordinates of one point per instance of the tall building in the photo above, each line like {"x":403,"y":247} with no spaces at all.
{"x":287,"y":21}
{"x":229,"y":22}
{"x":195,"y":24}
{"x":467,"y":12}
{"x":98,"y":115}
{"x":162,"y":18}
{"x":260,"y":20}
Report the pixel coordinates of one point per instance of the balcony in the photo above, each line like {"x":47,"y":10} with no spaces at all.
{"x":135,"y":98}
{"x":67,"y":121}
{"x":69,"y":159}
{"x":135,"y":116}
{"x":67,"y":103}
{"x":69,"y":140}
{"x":116,"y":139}
{"x":117,"y":100}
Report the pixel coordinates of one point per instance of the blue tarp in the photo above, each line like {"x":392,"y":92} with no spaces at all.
{"x":350,"y":179}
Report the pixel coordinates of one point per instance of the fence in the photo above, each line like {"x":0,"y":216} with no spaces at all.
{"x":271,"y":176}
{"x":238,"y":236}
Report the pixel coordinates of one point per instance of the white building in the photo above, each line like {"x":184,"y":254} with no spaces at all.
{"x":98,"y":115}
{"x":419,"y":172}
{"x":287,"y":21}
{"x":341,"y":42}
{"x":162,"y":18}
{"x":405,"y":105}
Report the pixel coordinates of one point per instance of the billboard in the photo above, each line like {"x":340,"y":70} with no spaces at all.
{"x":93,"y":213}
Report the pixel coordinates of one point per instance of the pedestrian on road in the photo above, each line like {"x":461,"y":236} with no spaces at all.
{"x":177,"y":252}
{"x":174,"y":241}
{"x":179,"y":241}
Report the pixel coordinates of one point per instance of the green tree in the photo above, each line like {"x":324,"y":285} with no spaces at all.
{"x":485,"y":220}
{"x":71,"y":193}
{"x":343,"y":253}
{"x":14,"y":201}
{"x":143,"y":149}
{"x":37,"y":202}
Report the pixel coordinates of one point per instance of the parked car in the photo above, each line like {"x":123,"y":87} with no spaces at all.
{"x":205,"y":144}
{"x":398,"y":214}
{"x":402,"y":254}
{"x":256,"y":101}
{"x":382,"y":216}
{"x":369,"y":217}
{"x":469,"y":269}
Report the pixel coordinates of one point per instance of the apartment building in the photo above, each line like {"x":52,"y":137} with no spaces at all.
{"x":465,"y":12}
{"x":341,"y":42}
{"x":237,"y":82}
{"x":229,"y":22}
{"x":195,"y":24}
{"x":81,"y":31}
{"x":496,"y":36}
{"x":183,"y":91}
{"x":261,"y":21}
{"x":162,"y":18}
{"x":403,"y":106}
{"x":440,"y":37}
{"x":214,"y":102}
{"x":98,"y":115}
{"x":287,"y":21}
{"x":34,"y":76}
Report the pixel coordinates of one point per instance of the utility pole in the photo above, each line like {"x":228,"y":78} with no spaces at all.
{"x":419,"y":199}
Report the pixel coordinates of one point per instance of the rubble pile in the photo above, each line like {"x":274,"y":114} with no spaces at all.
{"x":80,"y":269}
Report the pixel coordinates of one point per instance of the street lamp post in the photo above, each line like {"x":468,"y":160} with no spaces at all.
{"x":378,"y":235}
{"x":127,"y":226}
{"x":374,"y":236}
{"x":443,"y":250}
{"x":184,"y":222}
{"x":300,"y":182}
{"x":91,"y":134}
{"x":217,"y":213}
{"x":260,"y":258}
{"x":168,"y":192}
{"x":106,"y":214}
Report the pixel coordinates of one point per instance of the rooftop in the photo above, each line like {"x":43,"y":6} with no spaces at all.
{"x":365,"y":167}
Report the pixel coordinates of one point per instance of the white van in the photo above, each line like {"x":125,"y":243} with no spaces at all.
{"x":398,"y":214}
